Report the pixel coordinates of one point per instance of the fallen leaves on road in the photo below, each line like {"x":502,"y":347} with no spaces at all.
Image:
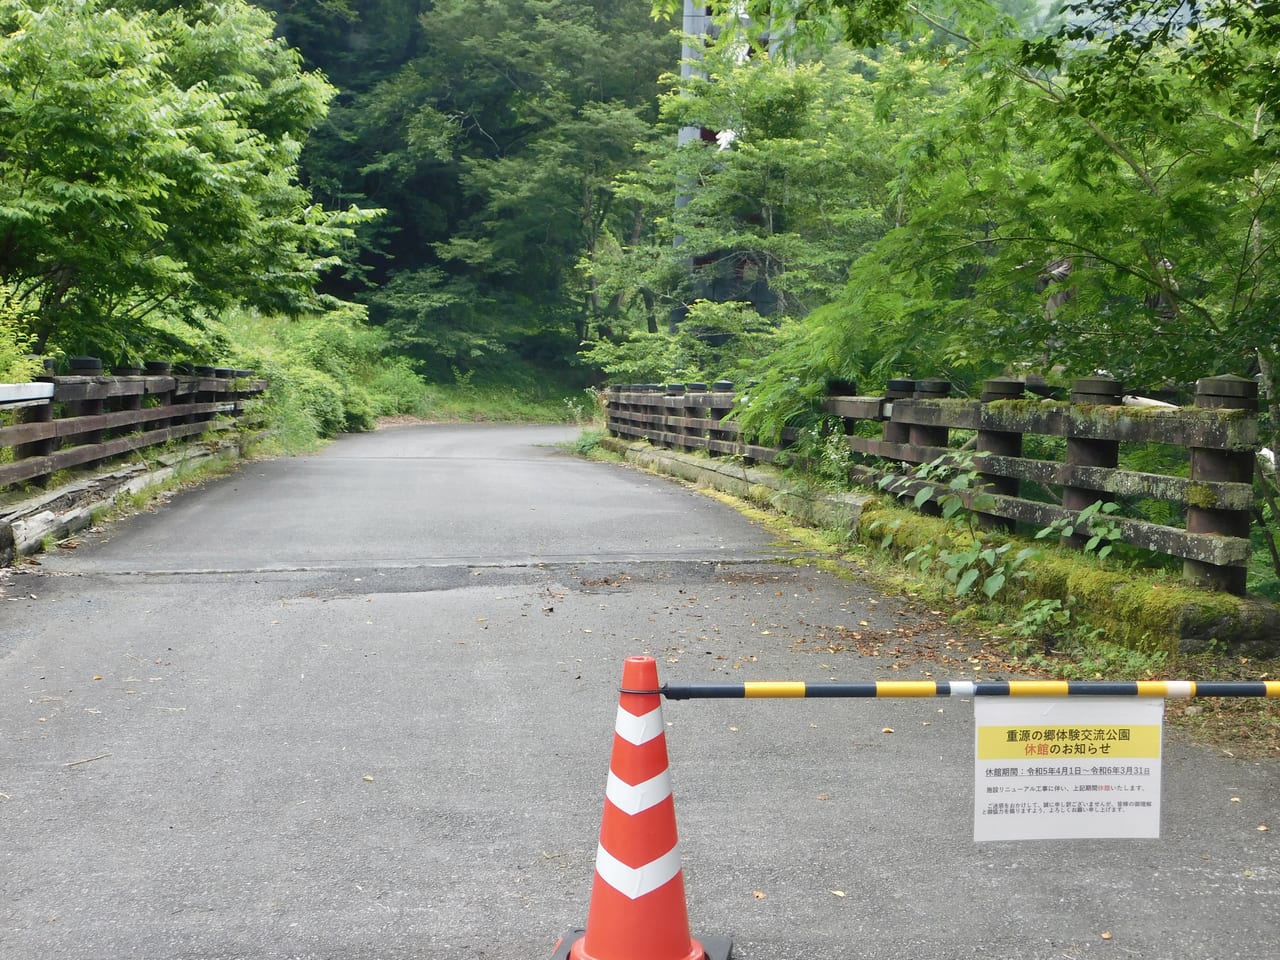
{"x":617,"y":581}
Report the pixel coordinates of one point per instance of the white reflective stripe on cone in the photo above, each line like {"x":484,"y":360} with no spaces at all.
{"x":638,"y":731}
{"x":636,"y":798}
{"x":634,"y":882}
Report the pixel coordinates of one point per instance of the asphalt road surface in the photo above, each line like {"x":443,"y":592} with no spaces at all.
{"x":360,"y":705}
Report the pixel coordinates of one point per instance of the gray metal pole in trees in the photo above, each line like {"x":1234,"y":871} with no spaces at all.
{"x":697,"y":23}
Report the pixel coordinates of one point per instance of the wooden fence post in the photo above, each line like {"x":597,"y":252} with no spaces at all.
{"x":184,"y":392}
{"x":695,"y":437}
{"x":1232,"y":466}
{"x":672,"y":436}
{"x":126,"y":396}
{"x":845,"y":388}
{"x":40,"y":413}
{"x":1085,"y":452}
{"x":720,"y":410}
{"x":153,"y":370}
{"x":925,"y":435}
{"x":612,"y":408}
{"x":1002,"y":443}
{"x":208,"y":392}
{"x":892,"y":431}
{"x":645,"y":408}
{"x":89,"y":369}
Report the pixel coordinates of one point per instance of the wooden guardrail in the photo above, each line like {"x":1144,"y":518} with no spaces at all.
{"x":62,"y":423}
{"x":682,"y":416}
{"x":917,"y":422}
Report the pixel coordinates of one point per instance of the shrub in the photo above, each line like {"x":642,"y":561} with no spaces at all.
{"x":395,"y":388}
{"x":328,"y":374}
{"x":16,"y":364}
{"x":320,"y":395}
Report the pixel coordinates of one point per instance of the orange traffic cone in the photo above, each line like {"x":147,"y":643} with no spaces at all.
{"x":637,"y":907}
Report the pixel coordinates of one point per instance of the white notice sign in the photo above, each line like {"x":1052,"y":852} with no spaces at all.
{"x":1066,"y":768}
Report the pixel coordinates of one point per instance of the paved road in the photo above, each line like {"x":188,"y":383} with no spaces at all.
{"x":359,"y":706}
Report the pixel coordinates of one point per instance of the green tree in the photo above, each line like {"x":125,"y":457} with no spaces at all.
{"x":797,"y":183}
{"x":492,"y":136}
{"x":1131,"y":145}
{"x":147,"y":172}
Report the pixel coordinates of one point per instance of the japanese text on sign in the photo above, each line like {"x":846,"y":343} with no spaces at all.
{"x":1067,"y":768}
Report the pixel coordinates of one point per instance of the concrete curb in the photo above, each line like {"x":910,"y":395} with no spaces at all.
{"x":760,"y":485}
{"x":1179,"y":620}
{"x":26,"y":525}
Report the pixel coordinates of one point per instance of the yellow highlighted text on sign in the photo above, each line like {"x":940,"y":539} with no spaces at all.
{"x":1064,"y":742}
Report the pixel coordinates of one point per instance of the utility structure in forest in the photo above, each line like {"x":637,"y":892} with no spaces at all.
{"x":718,"y":275}
{"x":698,"y":23}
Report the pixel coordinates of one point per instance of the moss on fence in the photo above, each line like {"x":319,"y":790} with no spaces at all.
{"x":1145,"y":611}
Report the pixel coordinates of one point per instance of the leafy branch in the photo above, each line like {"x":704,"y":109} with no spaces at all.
{"x":1095,"y":522}
{"x":966,"y":560}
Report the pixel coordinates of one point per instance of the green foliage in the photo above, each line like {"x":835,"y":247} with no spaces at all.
{"x":1082,"y":653}
{"x":967,"y":560}
{"x":326,"y":375}
{"x":444,"y":321}
{"x":588,"y":442}
{"x":588,"y":407}
{"x":822,"y":454}
{"x":771,"y":215}
{"x":394,"y":388}
{"x":716,"y":340}
{"x":1041,"y":622}
{"x":318,"y":395}
{"x":1136,"y":161}
{"x":149,"y":170}
{"x":340,"y":361}
{"x":1264,"y":569}
{"x":501,"y":403}
{"x":1053,"y":635}
{"x":883,"y":212}
{"x":1095,"y":522}
{"x":492,"y":132}
{"x":16,"y":363}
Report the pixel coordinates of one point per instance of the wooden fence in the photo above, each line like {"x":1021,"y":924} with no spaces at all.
{"x":916,"y":422}
{"x":64,"y":423}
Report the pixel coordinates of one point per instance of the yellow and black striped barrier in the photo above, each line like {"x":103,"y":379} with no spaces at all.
{"x":882,"y":689}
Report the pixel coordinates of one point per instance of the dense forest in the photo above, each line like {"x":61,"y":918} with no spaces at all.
{"x":499,"y":190}
{"x":492,"y":134}
{"x":876,"y":188}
